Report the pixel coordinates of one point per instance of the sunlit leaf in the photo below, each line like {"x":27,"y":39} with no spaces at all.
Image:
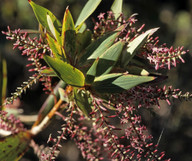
{"x":117,"y":8}
{"x":134,"y":45}
{"x":82,"y":99}
{"x":41,"y":15}
{"x":51,"y":26}
{"x":14,"y":146}
{"x":42,"y":31}
{"x":88,"y":9}
{"x":55,"y":47}
{"x":48,"y":72}
{"x":117,"y":82}
{"x":68,"y":24}
{"x":68,"y":35}
{"x":66,"y":72}
{"x":105,"y":63}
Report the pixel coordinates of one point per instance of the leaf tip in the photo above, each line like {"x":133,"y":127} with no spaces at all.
{"x":67,"y":9}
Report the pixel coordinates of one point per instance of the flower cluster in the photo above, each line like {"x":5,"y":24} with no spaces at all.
{"x":22,"y":88}
{"x":162,"y":56}
{"x":34,"y":49}
{"x":41,"y":151}
{"x":126,"y":138}
{"x":108,"y":23}
{"x":10,"y":124}
{"x":118,"y":134}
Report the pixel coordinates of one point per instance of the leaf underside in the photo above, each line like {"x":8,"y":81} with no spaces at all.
{"x":118,"y":82}
{"x":14,"y":146}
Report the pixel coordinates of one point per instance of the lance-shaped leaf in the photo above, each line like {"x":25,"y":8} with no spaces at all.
{"x":41,"y":15}
{"x":14,"y":146}
{"x":92,"y":47}
{"x":3,"y":80}
{"x":66,"y":72}
{"x":83,"y":28}
{"x":55,"y":47}
{"x":117,"y":82}
{"x":99,"y":46}
{"x":42,"y":31}
{"x":68,"y":24}
{"x":134,"y":45}
{"x":88,"y":9}
{"x":82,"y":41}
{"x":48,"y":72}
{"x":69,"y":45}
{"x":105,"y":63}
{"x":117,"y":8}
{"x":51,"y":26}
{"x":105,"y":44}
{"x":68,"y":35}
{"x":53,"y":30}
{"x":82,"y":99}
{"x":132,"y":69}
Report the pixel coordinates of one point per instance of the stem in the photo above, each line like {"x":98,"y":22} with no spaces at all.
{"x":36,"y":129}
{"x":49,"y":103}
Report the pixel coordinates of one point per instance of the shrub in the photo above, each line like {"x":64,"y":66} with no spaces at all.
{"x":106,"y":77}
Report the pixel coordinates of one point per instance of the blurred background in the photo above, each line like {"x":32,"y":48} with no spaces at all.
{"x":174,"y":17}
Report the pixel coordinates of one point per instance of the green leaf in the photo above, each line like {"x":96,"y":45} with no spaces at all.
{"x":42,"y":15}
{"x":92,"y":72}
{"x":48,"y":72}
{"x":14,"y":146}
{"x":68,"y":24}
{"x":42,"y":32}
{"x":92,"y":47}
{"x":132,"y":69}
{"x":82,"y":28}
{"x":83,"y":100}
{"x":51,"y":26}
{"x":3,"y":80}
{"x":88,"y":9}
{"x":104,"y":43}
{"x":105,"y":63}
{"x":69,"y":45}
{"x":99,"y":46}
{"x":55,"y":47}
{"x":117,"y":82}
{"x":82,"y":41}
{"x":117,"y":8}
{"x":66,"y":72}
{"x":68,"y":35}
{"x":134,"y":45}
{"x":63,"y":95}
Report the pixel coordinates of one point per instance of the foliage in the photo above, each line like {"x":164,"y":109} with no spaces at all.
{"x":106,"y":77}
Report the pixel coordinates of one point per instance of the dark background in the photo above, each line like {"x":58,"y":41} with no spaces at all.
{"x":174,"y":17}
